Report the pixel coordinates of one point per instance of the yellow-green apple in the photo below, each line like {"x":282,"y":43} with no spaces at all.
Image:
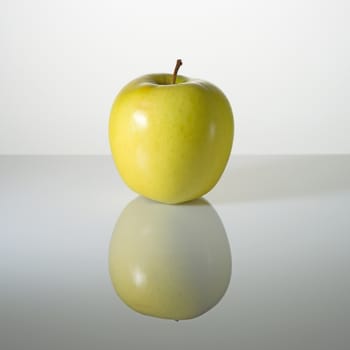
{"x":170,"y":261}
{"x":171,"y":136}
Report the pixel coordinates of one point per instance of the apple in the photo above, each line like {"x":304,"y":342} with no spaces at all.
{"x":170,"y":261}
{"x":171,"y":136}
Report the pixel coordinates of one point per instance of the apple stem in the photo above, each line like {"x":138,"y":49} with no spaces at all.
{"x":178,"y":65}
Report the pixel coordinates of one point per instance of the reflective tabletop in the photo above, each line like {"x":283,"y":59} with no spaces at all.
{"x":261,"y":262}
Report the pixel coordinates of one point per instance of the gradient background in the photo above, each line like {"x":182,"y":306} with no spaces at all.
{"x":285,"y":68}
{"x":284,"y":65}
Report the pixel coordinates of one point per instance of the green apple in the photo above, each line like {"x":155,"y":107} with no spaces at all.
{"x":170,"y":261}
{"x":171,"y":136}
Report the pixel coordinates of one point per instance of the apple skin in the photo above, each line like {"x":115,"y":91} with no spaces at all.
{"x":171,"y":142}
{"x":170,"y":261}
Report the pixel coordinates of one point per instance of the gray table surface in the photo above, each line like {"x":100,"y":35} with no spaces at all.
{"x":287,"y":219}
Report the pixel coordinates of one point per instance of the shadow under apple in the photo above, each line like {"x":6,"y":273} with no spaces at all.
{"x":252,"y":178}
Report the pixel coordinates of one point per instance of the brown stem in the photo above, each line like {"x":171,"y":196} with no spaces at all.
{"x":178,"y":65}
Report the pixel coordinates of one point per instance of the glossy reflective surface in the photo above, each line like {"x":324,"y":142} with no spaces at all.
{"x":287,"y":224}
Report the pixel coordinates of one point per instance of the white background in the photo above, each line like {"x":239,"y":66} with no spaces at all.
{"x":284,"y":65}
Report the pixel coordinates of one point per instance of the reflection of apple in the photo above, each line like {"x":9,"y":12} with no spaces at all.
{"x":170,"y":261}
{"x":170,"y":141}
